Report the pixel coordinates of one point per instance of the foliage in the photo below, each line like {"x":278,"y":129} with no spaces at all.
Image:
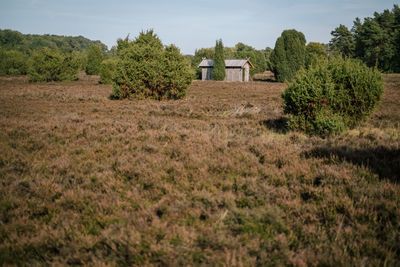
{"x":147,"y":69}
{"x":81,"y":57}
{"x":94,"y":59}
{"x":267,"y":55}
{"x":27,"y":43}
{"x":112,"y":53}
{"x":343,"y":41}
{"x":332,"y":96}
{"x":47,"y":65}
{"x":12,"y":62}
{"x":375,"y":40}
{"x":218,"y":73}
{"x":288,"y":56}
{"x":107,"y":71}
{"x":257,"y":57}
{"x":314,"y":52}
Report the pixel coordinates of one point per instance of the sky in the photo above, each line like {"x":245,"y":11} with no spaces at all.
{"x":190,"y":24}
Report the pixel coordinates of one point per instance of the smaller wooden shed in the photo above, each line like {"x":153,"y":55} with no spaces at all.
{"x":237,"y":70}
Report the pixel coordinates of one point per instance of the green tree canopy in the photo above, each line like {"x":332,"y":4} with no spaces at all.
{"x":375,"y":40}
{"x":12,"y":62}
{"x":27,"y":43}
{"x":343,"y":41}
{"x":257,"y":57}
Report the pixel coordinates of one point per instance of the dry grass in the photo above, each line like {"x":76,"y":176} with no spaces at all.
{"x":212,"y":179}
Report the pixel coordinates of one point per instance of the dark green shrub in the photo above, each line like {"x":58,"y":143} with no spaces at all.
{"x":288,"y":56}
{"x":147,"y":69}
{"x":94,"y":59}
{"x":107,"y":71}
{"x":332,"y":95}
{"x":218,"y":73}
{"x":47,"y":65}
{"x":12,"y":62}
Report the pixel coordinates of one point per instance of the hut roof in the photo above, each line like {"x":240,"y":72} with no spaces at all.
{"x":229,"y":63}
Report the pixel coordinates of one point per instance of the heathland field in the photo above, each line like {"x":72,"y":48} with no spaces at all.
{"x":215,"y":179}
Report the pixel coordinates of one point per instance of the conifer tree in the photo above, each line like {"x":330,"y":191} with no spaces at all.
{"x":219,"y":62}
{"x":342,"y":41}
{"x":288,"y":56}
{"x":148,"y":69}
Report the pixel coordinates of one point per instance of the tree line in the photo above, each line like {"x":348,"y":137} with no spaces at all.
{"x":375,"y":40}
{"x":18,"y":53}
{"x":27,"y":43}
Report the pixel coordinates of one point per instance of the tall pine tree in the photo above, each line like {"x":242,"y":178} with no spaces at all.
{"x":219,"y":62}
{"x":375,"y":40}
{"x":342,"y":41}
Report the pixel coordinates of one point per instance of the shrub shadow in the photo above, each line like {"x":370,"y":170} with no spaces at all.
{"x":381,"y":160}
{"x":271,"y":80}
{"x":277,"y":125}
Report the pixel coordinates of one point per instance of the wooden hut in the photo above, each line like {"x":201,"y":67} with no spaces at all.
{"x":237,"y":70}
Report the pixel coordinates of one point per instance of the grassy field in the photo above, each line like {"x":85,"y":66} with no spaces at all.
{"x":213,"y":179}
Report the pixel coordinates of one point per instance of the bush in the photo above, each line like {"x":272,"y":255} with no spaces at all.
{"x":314,"y":52}
{"x":12,"y":62}
{"x":47,"y":65}
{"x":147,"y":69}
{"x":332,"y":96}
{"x":288,"y":56}
{"x":94,"y":59}
{"x":107,"y":71}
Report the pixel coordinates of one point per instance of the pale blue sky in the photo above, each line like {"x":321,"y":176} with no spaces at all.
{"x":187,"y":24}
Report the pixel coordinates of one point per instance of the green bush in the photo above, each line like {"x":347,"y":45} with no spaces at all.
{"x":288,"y":56}
{"x":107,"y":71}
{"x":147,"y":69}
{"x":47,"y":65}
{"x":12,"y":62}
{"x":332,"y":96}
{"x":314,"y":52}
{"x":94,"y":59}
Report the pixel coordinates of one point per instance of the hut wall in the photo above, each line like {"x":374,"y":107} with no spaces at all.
{"x":233,"y":75}
{"x":206,"y":74}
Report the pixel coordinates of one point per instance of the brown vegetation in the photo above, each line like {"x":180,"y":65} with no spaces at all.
{"x":214,"y":178}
